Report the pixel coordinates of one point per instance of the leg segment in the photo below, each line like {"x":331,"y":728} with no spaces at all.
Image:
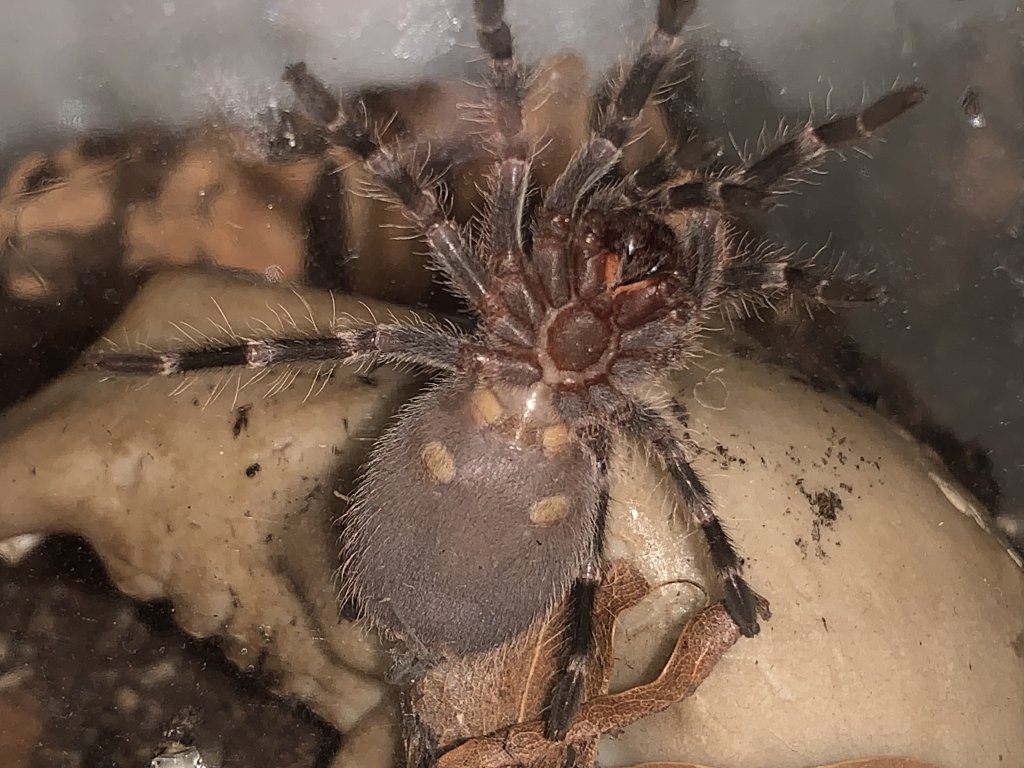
{"x":510,"y":178}
{"x":648,"y":428}
{"x":418,"y":345}
{"x":567,"y":692}
{"x":420,"y":742}
{"x":766,"y":278}
{"x":748,"y":188}
{"x":451,"y":253}
{"x":759,"y":270}
{"x":688,"y":150}
{"x":505,"y":96}
{"x":617,"y":122}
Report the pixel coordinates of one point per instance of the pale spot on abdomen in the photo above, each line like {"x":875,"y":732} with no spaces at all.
{"x":551,"y":510}
{"x":554,"y":440}
{"x":438,"y":462}
{"x":485,"y":407}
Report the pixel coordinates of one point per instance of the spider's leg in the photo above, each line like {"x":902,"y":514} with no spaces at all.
{"x":420,"y":741}
{"x":567,"y":692}
{"x":688,"y":149}
{"x":509,"y":181}
{"x":648,"y":428}
{"x":761,"y":271}
{"x":451,"y":254}
{"x":421,"y":345}
{"x":505,"y":107}
{"x":749,"y":187}
{"x":615,"y":125}
{"x":612,"y":129}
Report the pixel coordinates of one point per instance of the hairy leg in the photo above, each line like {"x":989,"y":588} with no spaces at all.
{"x":616,"y":123}
{"x":648,"y":428}
{"x":451,"y":254}
{"x":613,"y":127}
{"x":750,"y":186}
{"x":509,"y":181}
{"x":568,"y":689}
{"x":421,"y":345}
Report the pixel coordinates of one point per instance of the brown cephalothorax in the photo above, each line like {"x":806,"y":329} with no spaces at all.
{"x":485,"y":504}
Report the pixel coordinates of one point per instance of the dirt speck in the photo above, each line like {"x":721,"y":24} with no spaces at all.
{"x":241,"y":420}
{"x":726,"y":458}
{"x":825,"y":506}
{"x":1018,"y":645}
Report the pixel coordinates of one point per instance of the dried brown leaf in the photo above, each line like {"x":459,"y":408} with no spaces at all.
{"x":486,"y":712}
{"x":466,"y":698}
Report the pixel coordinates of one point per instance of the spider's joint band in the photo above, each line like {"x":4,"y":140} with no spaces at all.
{"x":258,"y":354}
{"x":169,"y":364}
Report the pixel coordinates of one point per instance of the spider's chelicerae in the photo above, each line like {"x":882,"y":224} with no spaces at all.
{"x":485,"y":503}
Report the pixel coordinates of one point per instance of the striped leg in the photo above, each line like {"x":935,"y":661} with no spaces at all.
{"x":759,"y":270}
{"x":452,"y":255}
{"x":414,"y":344}
{"x":567,"y":692}
{"x":509,"y":179}
{"x":647,"y":427}
{"x":616,"y":124}
{"x":749,"y":187}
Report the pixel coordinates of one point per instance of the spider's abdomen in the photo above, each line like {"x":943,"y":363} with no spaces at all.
{"x":474,"y":516}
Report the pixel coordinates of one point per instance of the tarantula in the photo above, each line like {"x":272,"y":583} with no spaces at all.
{"x":485,"y":503}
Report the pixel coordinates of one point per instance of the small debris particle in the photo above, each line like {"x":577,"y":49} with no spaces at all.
{"x":1018,"y":645}
{"x":825,"y":507}
{"x":801,"y":545}
{"x":726,"y":458}
{"x":824,"y":623}
{"x":970,"y":105}
{"x":253,"y":469}
{"x":241,"y":420}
